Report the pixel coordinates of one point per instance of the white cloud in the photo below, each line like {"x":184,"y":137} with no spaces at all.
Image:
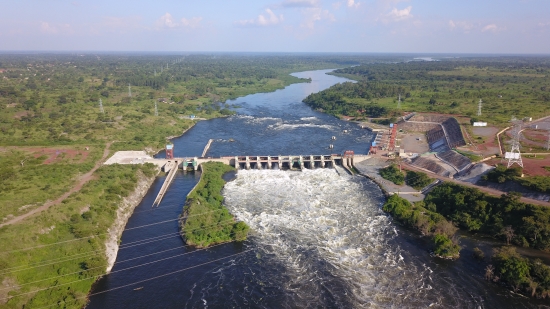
{"x":262,"y":20}
{"x":48,"y":28}
{"x":299,"y":4}
{"x":492,"y":28}
{"x":463,"y":25}
{"x":313,"y":15}
{"x":399,"y":15}
{"x":352,"y":4}
{"x":167,"y":21}
{"x":191,"y":23}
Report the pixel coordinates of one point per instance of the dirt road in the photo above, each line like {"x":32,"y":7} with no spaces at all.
{"x":490,"y":191}
{"x":82,"y":180}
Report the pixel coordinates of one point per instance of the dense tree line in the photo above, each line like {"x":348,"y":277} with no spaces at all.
{"x":427,"y":222}
{"x":505,"y":217}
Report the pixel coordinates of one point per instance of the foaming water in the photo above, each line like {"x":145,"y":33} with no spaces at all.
{"x":328,"y":232}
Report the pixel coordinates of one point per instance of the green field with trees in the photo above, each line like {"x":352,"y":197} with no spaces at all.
{"x":508,"y":86}
{"x":205,"y":221}
{"x":393,"y":174}
{"x":54,"y":257}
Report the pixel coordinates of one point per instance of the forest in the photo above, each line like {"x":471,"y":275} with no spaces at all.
{"x":507,"y":85}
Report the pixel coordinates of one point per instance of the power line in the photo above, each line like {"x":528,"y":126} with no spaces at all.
{"x":88,"y":237}
{"x":133,"y":244}
{"x":124,"y":261}
{"x":153,"y":278}
{"x":99,"y":276}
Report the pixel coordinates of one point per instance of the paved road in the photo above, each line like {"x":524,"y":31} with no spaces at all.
{"x":82,"y":180}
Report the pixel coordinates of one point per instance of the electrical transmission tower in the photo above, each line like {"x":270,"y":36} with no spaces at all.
{"x":101,"y":107}
{"x":156,"y":109}
{"x":129,"y":90}
{"x":514,"y":156}
{"x":479,"y":107}
{"x":399,"y":102}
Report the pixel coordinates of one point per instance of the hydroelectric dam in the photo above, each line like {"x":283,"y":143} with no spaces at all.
{"x":171,"y":165}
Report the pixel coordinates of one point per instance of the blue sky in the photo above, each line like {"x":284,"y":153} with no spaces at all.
{"x":398,"y":26}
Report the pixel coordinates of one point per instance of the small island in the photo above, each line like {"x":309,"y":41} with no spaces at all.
{"x":205,"y":221}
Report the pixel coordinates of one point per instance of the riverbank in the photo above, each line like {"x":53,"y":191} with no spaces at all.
{"x":125,"y":210}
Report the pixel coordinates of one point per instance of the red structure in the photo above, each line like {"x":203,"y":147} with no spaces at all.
{"x":348,"y":154}
{"x":169,"y":151}
{"x":393,"y":133}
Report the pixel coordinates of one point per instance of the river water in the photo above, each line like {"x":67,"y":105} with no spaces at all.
{"x":318,"y":240}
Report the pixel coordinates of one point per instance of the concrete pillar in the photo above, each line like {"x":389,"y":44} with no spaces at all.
{"x":247,"y":163}
{"x":268,"y":163}
{"x":195,"y":163}
{"x":301,"y":161}
{"x":237,"y":166}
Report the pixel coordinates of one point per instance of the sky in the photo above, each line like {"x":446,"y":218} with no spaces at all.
{"x":375,"y":26}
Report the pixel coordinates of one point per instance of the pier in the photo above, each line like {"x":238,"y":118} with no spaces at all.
{"x":171,"y":167}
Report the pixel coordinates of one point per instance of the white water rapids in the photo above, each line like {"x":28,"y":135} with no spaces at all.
{"x":329,"y":232}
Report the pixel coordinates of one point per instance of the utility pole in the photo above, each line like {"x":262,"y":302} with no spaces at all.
{"x":399,"y":102}
{"x":479,"y":107}
{"x":101,"y":106}
{"x":156,"y":109}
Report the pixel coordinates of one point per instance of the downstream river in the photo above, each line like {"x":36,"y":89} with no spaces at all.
{"x":319,"y":238}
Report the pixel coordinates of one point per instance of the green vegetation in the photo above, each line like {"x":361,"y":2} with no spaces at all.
{"x":473,"y":157}
{"x":72,"y":235}
{"x":26,"y":182}
{"x":502,"y":174}
{"x":393,"y":174}
{"x":205,"y":221}
{"x":427,"y":222}
{"x":508,"y":86}
{"x":520,"y":274}
{"x":417,"y":180}
{"x":506,"y":217}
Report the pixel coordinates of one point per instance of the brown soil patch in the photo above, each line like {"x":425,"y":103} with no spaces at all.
{"x":531,"y":166}
{"x":53,"y":154}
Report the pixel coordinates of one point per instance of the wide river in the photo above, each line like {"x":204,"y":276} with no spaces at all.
{"x":319,"y":238}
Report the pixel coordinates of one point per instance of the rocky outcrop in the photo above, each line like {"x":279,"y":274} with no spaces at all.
{"x":125,"y":210}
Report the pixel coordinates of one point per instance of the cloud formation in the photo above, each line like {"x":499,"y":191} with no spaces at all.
{"x":492,"y":28}
{"x":299,"y":4}
{"x":269,"y":19}
{"x":464,"y":25}
{"x":166,"y":21}
{"x":48,"y":28}
{"x":353,"y":4}
{"x":314,"y":15}
{"x":399,"y":15}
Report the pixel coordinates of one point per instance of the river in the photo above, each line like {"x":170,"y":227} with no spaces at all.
{"x":319,"y":238}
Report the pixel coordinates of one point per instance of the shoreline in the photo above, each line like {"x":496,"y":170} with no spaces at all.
{"x":124,"y":212}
